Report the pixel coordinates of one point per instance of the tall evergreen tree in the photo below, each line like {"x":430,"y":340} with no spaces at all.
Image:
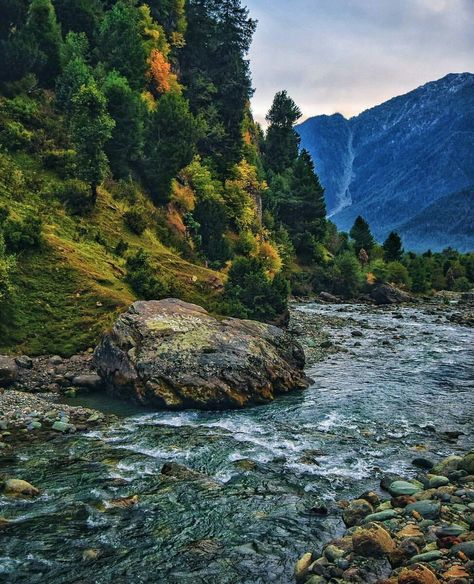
{"x":75,"y":71}
{"x":393,"y":248}
{"x":282,"y":141}
{"x":170,"y":143}
{"x":79,"y":16}
{"x":43,"y":26}
{"x":362,"y":236}
{"x":126,"y":109}
{"x":120,"y":42}
{"x":216,"y":74}
{"x":91,"y":128}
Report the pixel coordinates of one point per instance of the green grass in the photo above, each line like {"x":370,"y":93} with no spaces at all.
{"x":67,"y":293}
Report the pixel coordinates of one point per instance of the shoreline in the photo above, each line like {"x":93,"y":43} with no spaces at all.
{"x":420,"y":532}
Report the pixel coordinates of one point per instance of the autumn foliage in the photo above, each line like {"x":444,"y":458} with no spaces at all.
{"x":160,"y":72}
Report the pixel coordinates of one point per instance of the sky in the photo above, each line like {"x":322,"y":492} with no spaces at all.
{"x":348,"y":55}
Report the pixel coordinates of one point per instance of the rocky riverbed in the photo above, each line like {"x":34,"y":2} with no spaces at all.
{"x":237,"y":497}
{"x":423,"y":533}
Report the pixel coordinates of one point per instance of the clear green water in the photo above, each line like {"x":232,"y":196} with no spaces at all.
{"x":366,"y":413}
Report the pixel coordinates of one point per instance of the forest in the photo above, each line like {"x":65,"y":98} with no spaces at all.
{"x":131,"y":167}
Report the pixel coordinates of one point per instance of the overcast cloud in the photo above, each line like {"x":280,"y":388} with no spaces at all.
{"x":348,"y":55}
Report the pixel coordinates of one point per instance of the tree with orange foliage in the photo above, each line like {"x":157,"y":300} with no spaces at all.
{"x":160,"y":71}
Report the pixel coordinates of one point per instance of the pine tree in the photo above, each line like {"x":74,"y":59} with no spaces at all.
{"x":170,"y":143}
{"x":362,"y":236}
{"x":91,"y":128}
{"x":125,"y":107}
{"x":282,"y":141}
{"x":75,"y":72}
{"x":121,"y":43}
{"x":393,"y":248}
{"x":44,"y":28}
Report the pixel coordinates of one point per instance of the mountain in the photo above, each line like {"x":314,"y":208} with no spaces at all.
{"x":392,"y":163}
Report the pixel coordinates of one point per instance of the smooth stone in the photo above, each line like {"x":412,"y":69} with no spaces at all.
{"x":467,"y":463}
{"x":91,"y":381}
{"x":381,"y":516}
{"x":398,"y":488}
{"x":333,"y":553}
{"x":55,"y":360}
{"x":302,"y":566}
{"x":427,"y":509}
{"x":35,"y":426}
{"x":8,"y":371}
{"x":63,"y":427}
{"x":437,"y":481}
{"x":357,"y":510}
{"x":466,"y":547}
{"x":372,"y":541}
{"x":450,"y":530}
{"x":422,"y":463}
{"x":426,"y":557}
{"x":447,"y":465}
{"x":20,"y":487}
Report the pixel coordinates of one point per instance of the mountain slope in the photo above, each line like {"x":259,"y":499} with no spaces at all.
{"x":396,"y":159}
{"x":448,"y":222}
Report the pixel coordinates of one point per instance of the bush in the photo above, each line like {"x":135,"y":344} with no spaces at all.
{"x":462,"y":284}
{"x":23,"y":235}
{"x":143,"y":278}
{"x":76,"y":195}
{"x":346,"y":275}
{"x":121,"y":248}
{"x":14,"y":136}
{"x":7,"y":264}
{"x":62,"y":162}
{"x":250,"y":293}
{"x":135,"y":220}
{"x":398,"y":274}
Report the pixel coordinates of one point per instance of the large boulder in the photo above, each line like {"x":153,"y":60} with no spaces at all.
{"x":8,"y":371}
{"x":387,"y":294}
{"x":170,"y":354}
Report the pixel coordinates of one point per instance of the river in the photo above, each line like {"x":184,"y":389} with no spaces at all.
{"x":401,"y":390}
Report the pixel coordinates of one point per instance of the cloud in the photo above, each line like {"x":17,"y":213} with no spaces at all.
{"x":347,"y":55}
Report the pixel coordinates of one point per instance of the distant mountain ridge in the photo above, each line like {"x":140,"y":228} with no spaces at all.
{"x":396,"y":160}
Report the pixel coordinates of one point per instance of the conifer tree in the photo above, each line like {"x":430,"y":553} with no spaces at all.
{"x":362,"y":236}
{"x":126,"y":109}
{"x":91,"y":128}
{"x":282,"y":141}
{"x":393,"y":248}
{"x":170,"y":143}
{"x":44,"y":28}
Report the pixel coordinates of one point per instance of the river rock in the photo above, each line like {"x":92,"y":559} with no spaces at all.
{"x":466,"y":547}
{"x":329,"y":298}
{"x":387,"y":294}
{"x":427,"y":509}
{"x":17,"y":487}
{"x":302,"y":566}
{"x":91,"y":381}
{"x":170,"y":354}
{"x":357,"y":510}
{"x":8,"y":371}
{"x":467,"y":463}
{"x":417,"y":575}
{"x":447,"y":465}
{"x":372,"y":541}
{"x":399,"y":488}
{"x":24,"y":362}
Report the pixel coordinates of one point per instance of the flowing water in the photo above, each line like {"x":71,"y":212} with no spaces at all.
{"x":369,"y":411}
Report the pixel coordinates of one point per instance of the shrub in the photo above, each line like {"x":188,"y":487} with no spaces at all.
{"x":23,"y":235}
{"x":143,"y":278}
{"x":14,"y":136}
{"x":62,"y":162}
{"x":398,"y":274}
{"x":346,"y":275}
{"x":250,"y":293}
{"x":121,"y":248}
{"x":7,"y":264}
{"x":76,"y":195}
{"x":462,"y":284}
{"x":135,"y":220}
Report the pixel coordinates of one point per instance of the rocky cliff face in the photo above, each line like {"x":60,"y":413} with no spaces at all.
{"x":395,"y":160}
{"x":174,"y":355}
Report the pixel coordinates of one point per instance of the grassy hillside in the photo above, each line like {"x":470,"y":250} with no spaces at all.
{"x":71,"y":288}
